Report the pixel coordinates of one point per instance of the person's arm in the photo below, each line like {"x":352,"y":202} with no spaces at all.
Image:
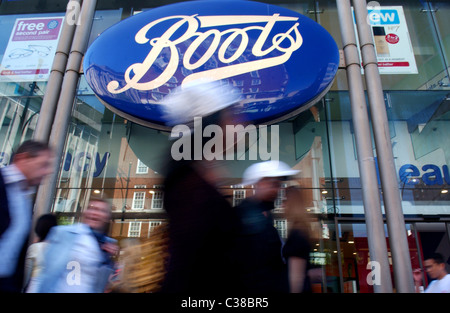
{"x":297,"y":273}
{"x":30,"y":261}
{"x":417,"y":276}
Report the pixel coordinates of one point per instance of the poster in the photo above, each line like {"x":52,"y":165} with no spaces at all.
{"x":393,"y":46}
{"x":31,"y":49}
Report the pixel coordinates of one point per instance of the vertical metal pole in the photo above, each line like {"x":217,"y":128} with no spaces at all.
{"x":60,"y":125}
{"x":339,"y":255}
{"x":366,"y":162}
{"x":20,"y":129}
{"x":419,"y":252}
{"x":391,"y":194}
{"x":53,"y":89}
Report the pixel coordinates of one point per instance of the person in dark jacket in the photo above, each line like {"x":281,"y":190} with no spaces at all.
{"x":303,"y":231}
{"x":261,"y":266}
{"x":31,"y":162}
{"x":202,"y":223}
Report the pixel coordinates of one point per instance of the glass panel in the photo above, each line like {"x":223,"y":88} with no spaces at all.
{"x":312,"y":151}
{"x":344,"y":159}
{"x":18,"y":119}
{"x":440,"y":11}
{"x":431,"y":238}
{"x":24,"y":68}
{"x":323,"y":270}
{"x":355,"y":256}
{"x":138,"y":228}
{"x":327,"y":16}
{"x":329,"y":247}
{"x":104,"y":153}
{"x":421,"y":149}
{"x":25,"y":60}
{"x":425,"y":45}
{"x":104,"y":19}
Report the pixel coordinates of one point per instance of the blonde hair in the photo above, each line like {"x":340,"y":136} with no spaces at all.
{"x":295,"y":210}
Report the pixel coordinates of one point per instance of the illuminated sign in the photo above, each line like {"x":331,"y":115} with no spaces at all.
{"x":433,"y":175}
{"x":281,"y":61}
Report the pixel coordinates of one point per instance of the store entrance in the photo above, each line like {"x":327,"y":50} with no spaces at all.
{"x":432,"y":238}
{"x":424,"y":238}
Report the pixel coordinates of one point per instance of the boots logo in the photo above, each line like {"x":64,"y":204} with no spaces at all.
{"x":281,"y":61}
{"x":226,"y":54}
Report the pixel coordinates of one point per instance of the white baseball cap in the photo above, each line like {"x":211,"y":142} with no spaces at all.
{"x":272,"y":168}
{"x":197,"y":99}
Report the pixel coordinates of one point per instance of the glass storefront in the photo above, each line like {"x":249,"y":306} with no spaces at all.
{"x":106,"y":154}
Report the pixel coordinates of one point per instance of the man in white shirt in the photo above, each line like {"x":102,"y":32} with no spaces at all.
{"x":31,"y":162}
{"x":78,"y":257}
{"x":435,"y":268}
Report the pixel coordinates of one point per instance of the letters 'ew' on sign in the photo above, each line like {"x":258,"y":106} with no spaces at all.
{"x":281,"y":61}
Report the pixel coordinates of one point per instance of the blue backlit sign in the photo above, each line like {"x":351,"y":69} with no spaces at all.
{"x":410,"y":175}
{"x":383,"y":17}
{"x":281,"y":61}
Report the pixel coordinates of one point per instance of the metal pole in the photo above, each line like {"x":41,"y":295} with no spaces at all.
{"x":60,"y":125}
{"x":391,"y":194}
{"x":53,"y":89}
{"x":366,"y":161}
{"x":20,"y":129}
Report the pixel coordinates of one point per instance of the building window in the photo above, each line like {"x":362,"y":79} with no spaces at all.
{"x":280,"y":225}
{"x":134,"y":229}
{"x":157,"y":199}
{"x":238,"y":83}
{"x":141,"y":168}
{"x":152,"y":225}
{"x":256,"y":82}
{"x":138,"y":200}
{"x":238,"y":196}
{"x":281,"y":197}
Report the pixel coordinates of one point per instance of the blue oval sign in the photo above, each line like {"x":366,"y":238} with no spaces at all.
{"x":282,"y":61}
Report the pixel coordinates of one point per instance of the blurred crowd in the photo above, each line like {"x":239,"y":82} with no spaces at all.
{"x":207,"y":247}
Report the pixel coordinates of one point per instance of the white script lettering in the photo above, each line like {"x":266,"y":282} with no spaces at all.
{"x":284,"y":43}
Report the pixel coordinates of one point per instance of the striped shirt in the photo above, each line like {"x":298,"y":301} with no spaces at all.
{"x":20,"y":211}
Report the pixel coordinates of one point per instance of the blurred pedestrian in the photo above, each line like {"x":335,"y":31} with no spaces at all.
{"x":261,"y":266}
{"x":302,"y":231}
{"x":202,"y":222}
{"x":35,"y":253}
{"x":435,"y":268}
{"x":31,"y":162}
{"x":79,"y":257}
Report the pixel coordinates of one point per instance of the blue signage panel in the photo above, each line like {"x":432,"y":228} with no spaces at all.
{"x":383,"y":17}
{"x":280,"y":60}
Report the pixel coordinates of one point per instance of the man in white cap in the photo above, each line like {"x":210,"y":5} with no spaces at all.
{"x":262,"y":269}
{"x":201,"y":221}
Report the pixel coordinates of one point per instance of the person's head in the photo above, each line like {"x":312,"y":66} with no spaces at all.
{"x":204,"y":107}
{"x":266,"y":177}
{"x":34,"y":159}
{"x":97,"y":215}
{"x":201,"y":98}
{"x":297,"y":200}
{"x":44,"y":224}
{"x":435,"y":266}
{"x":266,"y":189}
{"x":296,"y":205}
